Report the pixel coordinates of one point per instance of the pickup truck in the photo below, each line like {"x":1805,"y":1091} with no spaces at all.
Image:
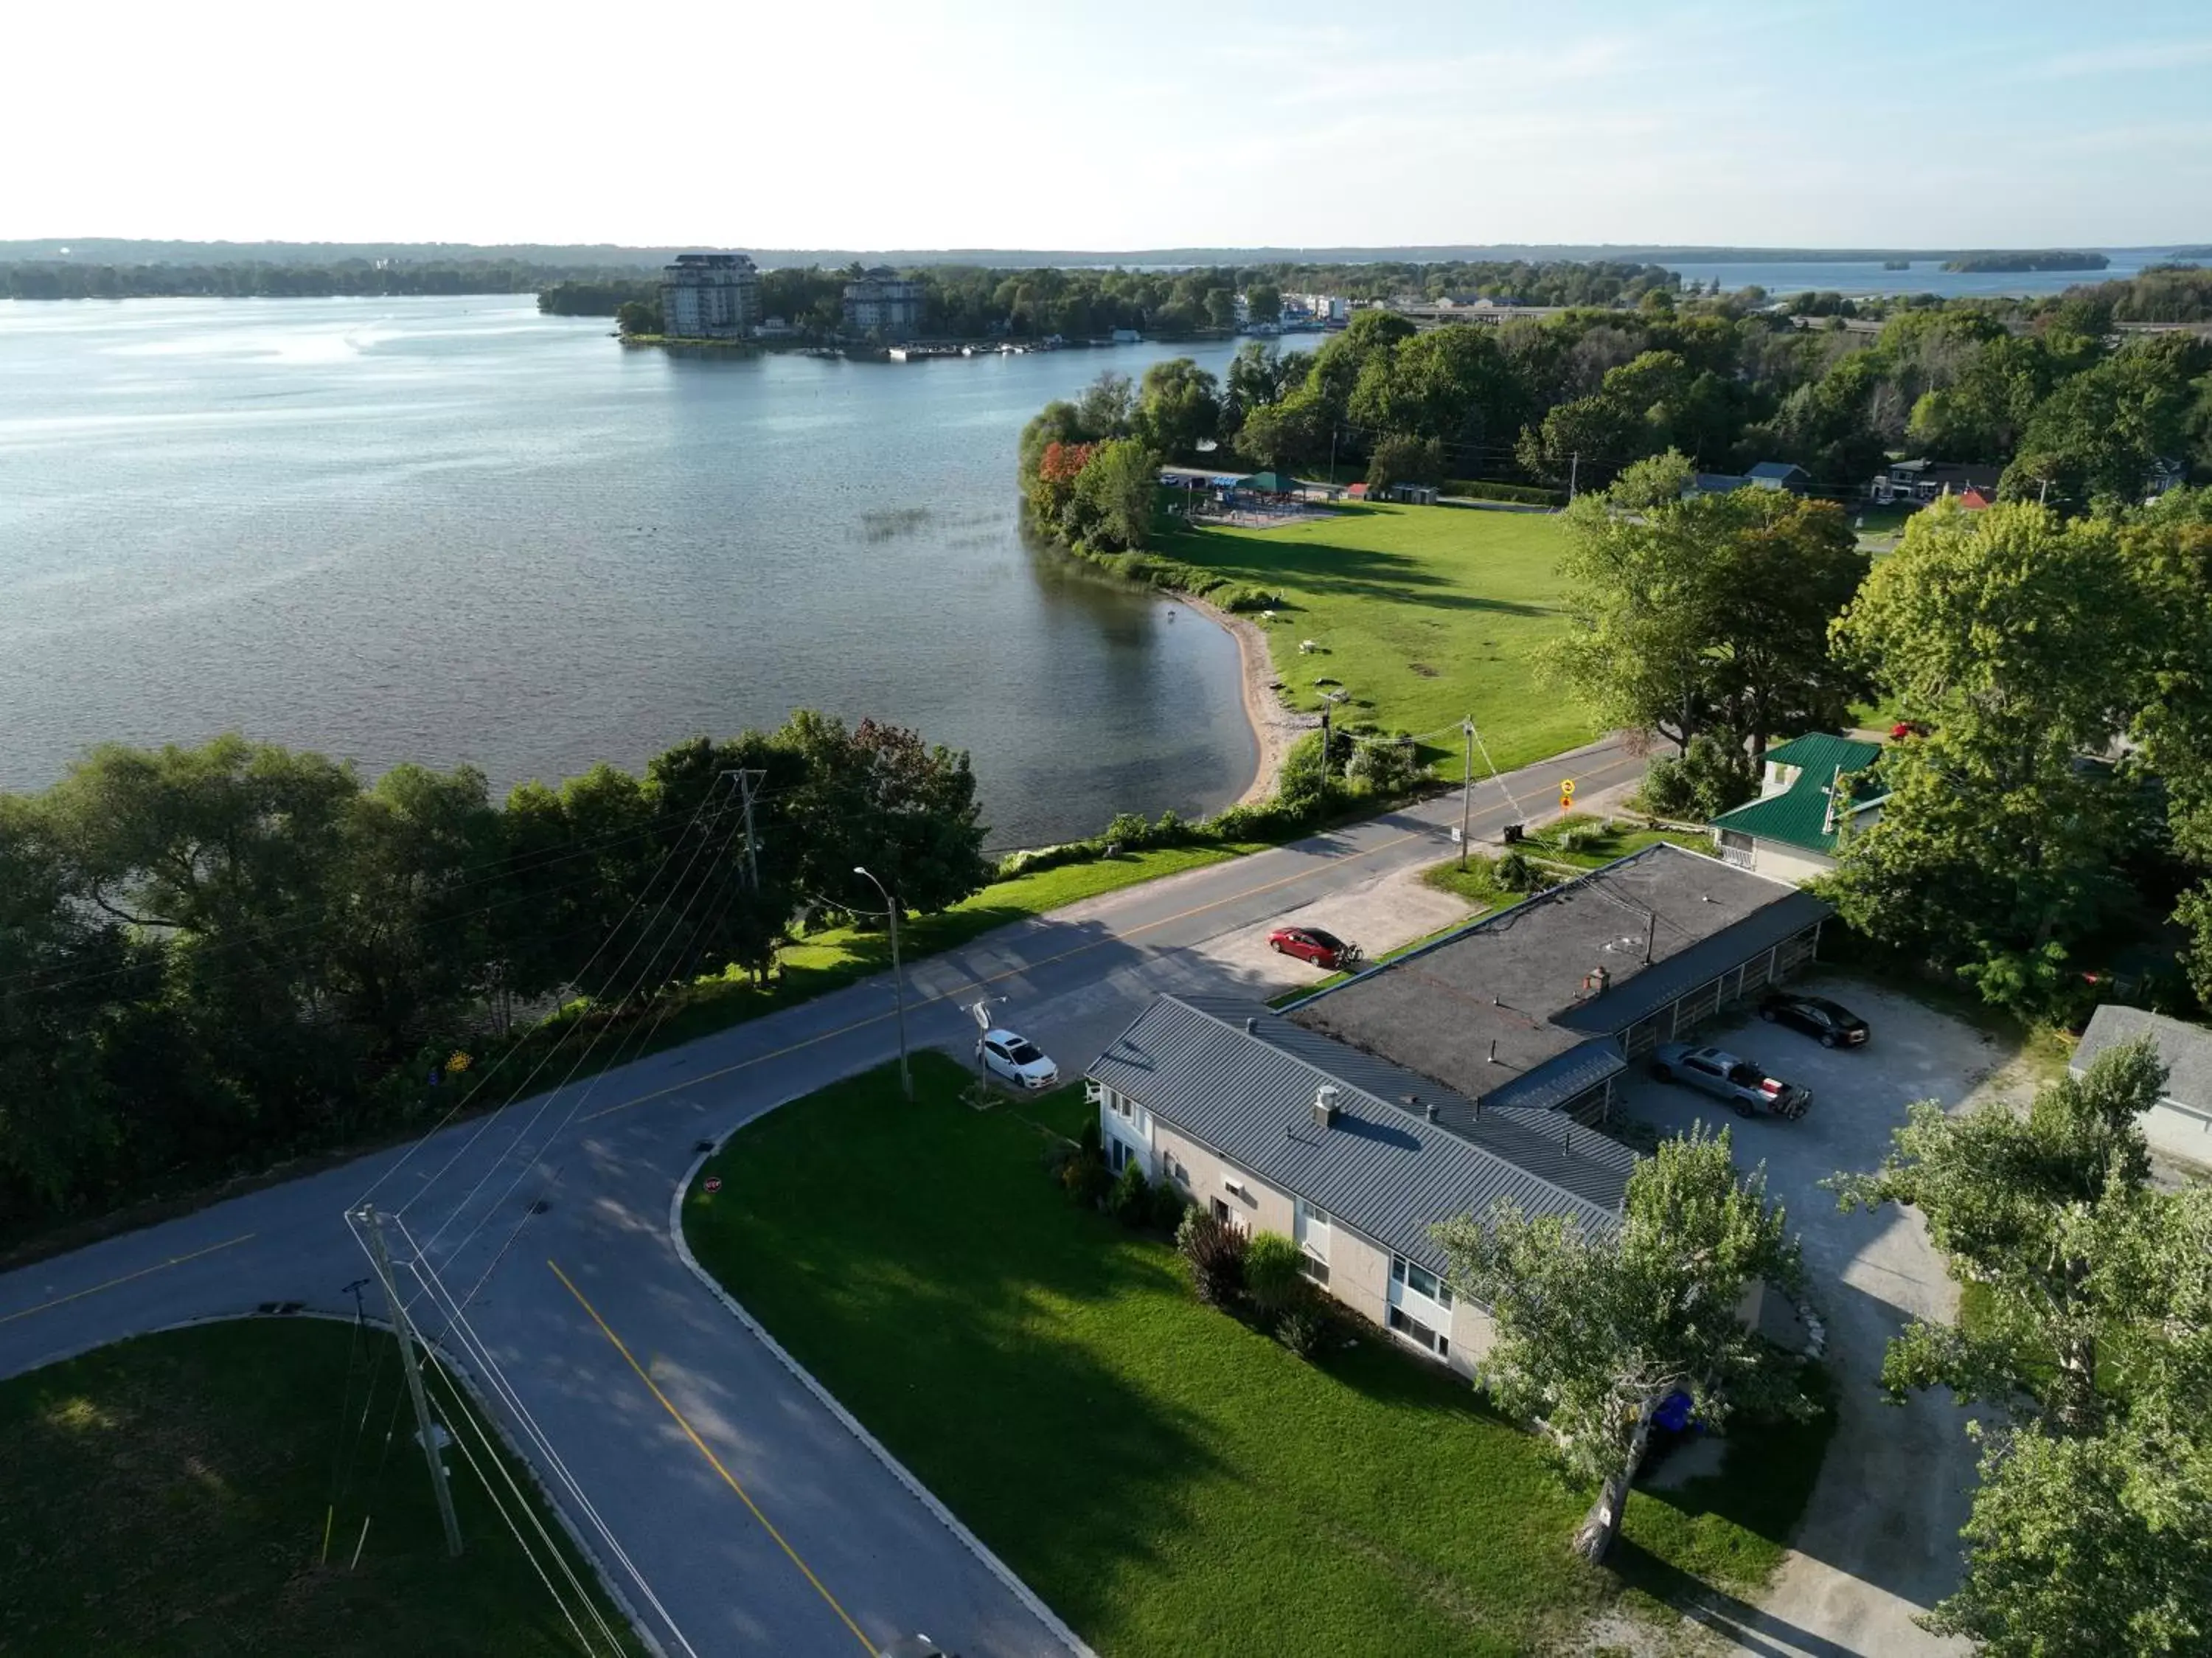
{"x":1743,"y":1085}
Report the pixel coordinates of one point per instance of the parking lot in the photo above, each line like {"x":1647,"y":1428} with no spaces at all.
{"x":1879,"y":1540}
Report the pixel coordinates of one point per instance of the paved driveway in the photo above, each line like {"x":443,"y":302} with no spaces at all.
{"x":1879,"y":1541}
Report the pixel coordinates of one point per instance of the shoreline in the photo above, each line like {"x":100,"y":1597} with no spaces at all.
{"x":1274,"y":727}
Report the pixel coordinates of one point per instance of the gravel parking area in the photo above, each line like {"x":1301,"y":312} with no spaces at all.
{"x":1392,"y":909}
{"x":1879,"y":1539}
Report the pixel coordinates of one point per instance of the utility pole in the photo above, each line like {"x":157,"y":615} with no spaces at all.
{"x":748,"y":780}
{"x":898,"y":978}
{"x":1574,"y":470}
{"x":1332,"y":454}
{"x":1329,"y":699}
{"x":400,"y":1327}
{"x":1465,"y":787}
{"x":2043,"y":495}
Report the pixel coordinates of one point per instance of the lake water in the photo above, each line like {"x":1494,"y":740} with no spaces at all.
{"x":1781,"y":277}
{"x":452,"y":530}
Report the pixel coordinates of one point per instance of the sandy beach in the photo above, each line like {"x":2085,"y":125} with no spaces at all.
{"x":1274,"y":727}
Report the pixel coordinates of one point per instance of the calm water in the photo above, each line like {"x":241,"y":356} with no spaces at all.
{"x":450,"y":530}
{"x":1926,"y":276}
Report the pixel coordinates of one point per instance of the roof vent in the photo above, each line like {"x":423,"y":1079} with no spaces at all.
{"x":1596,"y":982}
{"x":1432,"y":1111}
{"x":1324,"y":1105}
{"x":1251,"y":1027}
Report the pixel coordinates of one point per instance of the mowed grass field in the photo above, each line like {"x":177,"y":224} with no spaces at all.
{"x":1172,"y":1481}
{"x":170,"y":1494}
{"x":1426,"y":615}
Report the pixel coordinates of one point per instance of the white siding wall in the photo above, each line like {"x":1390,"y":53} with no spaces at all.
{"x":2179,"y":1133}
{"x":1782,"y":863}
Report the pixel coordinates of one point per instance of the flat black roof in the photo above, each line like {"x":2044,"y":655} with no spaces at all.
{"x":1501,"y":1008}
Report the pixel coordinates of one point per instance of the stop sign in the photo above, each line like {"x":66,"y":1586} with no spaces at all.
{"x":714,"y":1182}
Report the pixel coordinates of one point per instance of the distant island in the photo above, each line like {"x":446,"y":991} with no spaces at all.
{"x":2052,"y":259}
{"x":1896,"y":265}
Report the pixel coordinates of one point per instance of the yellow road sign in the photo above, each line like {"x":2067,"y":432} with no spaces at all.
{"x":1566,"y":788}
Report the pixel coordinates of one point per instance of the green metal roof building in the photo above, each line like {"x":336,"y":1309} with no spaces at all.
{"x":1790,"y":832}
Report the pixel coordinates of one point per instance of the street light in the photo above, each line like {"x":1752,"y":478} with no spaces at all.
{"x":898,"y":978}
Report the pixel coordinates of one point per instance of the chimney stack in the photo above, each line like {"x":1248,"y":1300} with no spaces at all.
{"x":1324,"y":1105}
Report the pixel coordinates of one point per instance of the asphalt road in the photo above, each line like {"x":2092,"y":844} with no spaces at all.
{"x":756,"y":1520}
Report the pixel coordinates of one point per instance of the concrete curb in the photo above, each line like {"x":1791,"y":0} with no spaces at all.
{"x":456,"y":1365}
{"x":875,"y":1447}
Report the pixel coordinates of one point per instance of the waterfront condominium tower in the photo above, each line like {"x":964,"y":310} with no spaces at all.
{"x":709,"y":296}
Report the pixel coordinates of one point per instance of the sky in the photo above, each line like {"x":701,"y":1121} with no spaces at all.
{"x":1031,"y":124}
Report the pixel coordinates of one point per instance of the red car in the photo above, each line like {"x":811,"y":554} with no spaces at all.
{"x":1311,"y":944}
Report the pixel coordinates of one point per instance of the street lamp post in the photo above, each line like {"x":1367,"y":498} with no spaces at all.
{"x":898,"y":978}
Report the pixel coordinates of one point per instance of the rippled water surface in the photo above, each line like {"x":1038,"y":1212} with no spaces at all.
{"x":450,"y":530}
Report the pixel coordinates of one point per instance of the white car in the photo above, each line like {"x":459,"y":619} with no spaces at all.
{"x":1020,"y":1061}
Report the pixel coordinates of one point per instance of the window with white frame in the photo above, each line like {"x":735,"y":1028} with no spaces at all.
{"x":1420,"y":1334}
{"x":1418,"y":1279}
{"x":1312,"y":1227}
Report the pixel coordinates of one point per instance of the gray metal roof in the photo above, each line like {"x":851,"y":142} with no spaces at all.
{"x":1383,"y":1168}
{"x":1500,"y":1009}
{"x":2185,"y":1050}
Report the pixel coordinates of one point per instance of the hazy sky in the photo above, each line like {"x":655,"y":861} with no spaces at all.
{"x":956,"y":123}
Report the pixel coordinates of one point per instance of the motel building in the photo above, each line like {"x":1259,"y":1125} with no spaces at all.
{"x":1471,"y":1071}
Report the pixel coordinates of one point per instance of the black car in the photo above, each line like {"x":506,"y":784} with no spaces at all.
{"x":1835,"y":1025}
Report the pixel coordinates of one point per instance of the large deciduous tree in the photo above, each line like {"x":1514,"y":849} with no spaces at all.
{"x":2018,"y":640}
{"x":1596,"y":1331}
{"x":1705,"y":614}
{"x":1178,"y":404}
{"x":2035,"y":1209}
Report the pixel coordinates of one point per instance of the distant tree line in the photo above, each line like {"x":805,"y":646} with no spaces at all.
{"x":212,"y":957}
{"x":2048,"y":259}
{"x":253,"y":279}
{"x":2070,"y":411}
{"x":598,"y":296}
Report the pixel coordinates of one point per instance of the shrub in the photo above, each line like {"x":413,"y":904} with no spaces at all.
{"x":1131,"y":1201}
{"x":1519,"y":494}
{"x":1215,"y":1250}
{"x":1168,"y":1206}
{"x":1273,"y":1274}
{"x":1086,"y":1179}
{"x":1129,"y":830}
{"x":1090,"y":1141}
{"x":1303,"y":1327}
{"x":1387,"y":767}
{"x":1514,"y":873}
{"x":1709,"y":779}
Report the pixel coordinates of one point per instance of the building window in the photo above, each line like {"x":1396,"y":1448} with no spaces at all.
{"x":1420,"y":1280}
{"x":1418,"y":1333}
{"x":1171,"y":1168}
{"x":1220,"y":1210}
{"x":1316,"y":1270}
{"x":1117,"y":1155}
{"x":1312,"y":1227}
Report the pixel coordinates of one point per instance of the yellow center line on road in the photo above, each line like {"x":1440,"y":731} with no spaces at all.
{"x":728,"y":1478}
{"x":158,"y":1266}
{"x":1016,"y":973}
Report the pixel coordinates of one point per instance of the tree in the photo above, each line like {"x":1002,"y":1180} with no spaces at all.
{"x":1257,"y":377}
{"x":878,"y":796}
{"x":1450,"y":384}
{"x":2030,"y":1208}
{"x":639,"y":316}
{"x":1263,"y":302}
{"x":1104,"y":408}
{"x":1402,"y":458}
{"x":2018,"y":640}
{"x":2092,"y":1529}
{"x":1709,"y":613}
{"x":1178,"y":404}
{"x":1114,"y":496}
{"x":1596,"y":1331}
{"x":2099,"y":432}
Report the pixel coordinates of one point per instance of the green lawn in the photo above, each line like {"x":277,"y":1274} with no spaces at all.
{"x":168,"y":1495}
{"x":1171,"y":1481}
{"x":1425,"y":614}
